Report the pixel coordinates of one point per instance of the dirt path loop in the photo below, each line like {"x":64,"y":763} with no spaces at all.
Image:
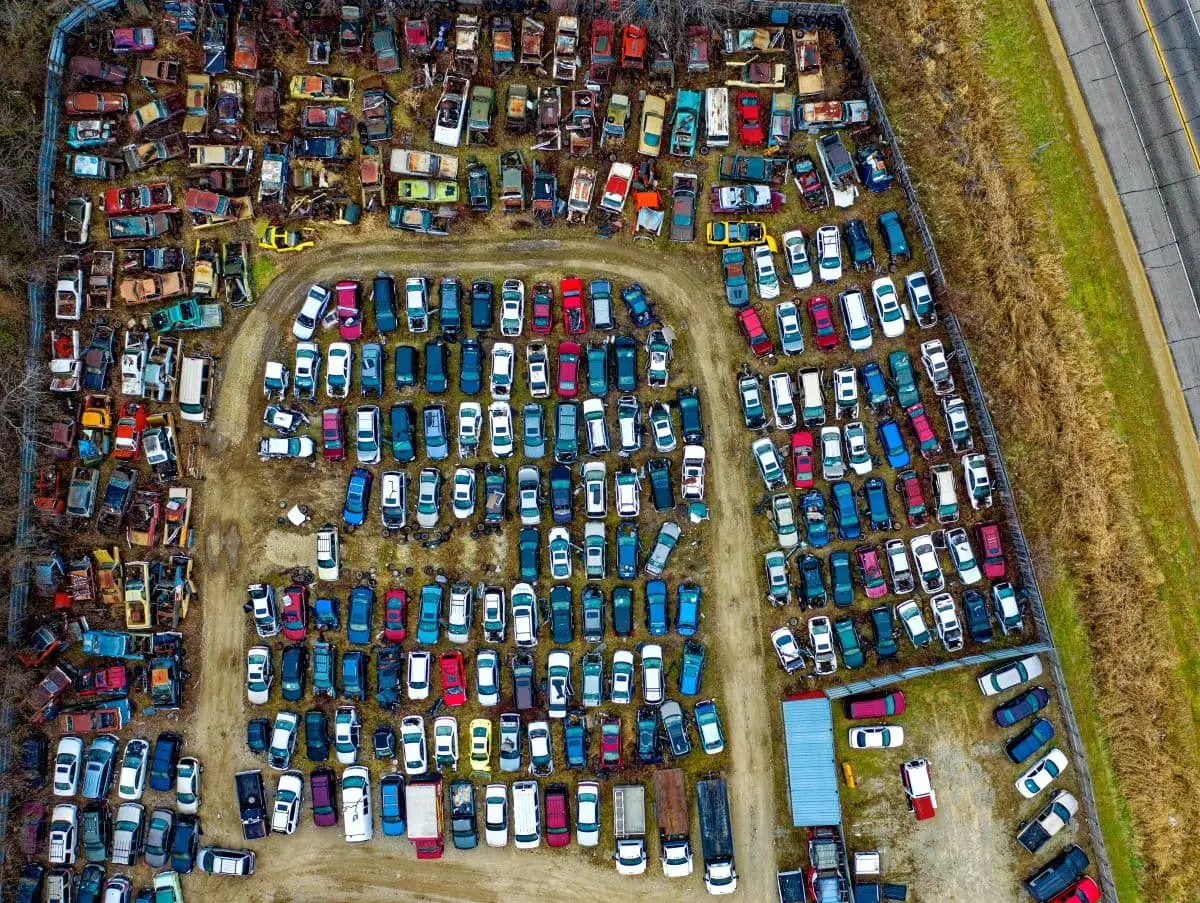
{"x":312,"y":865}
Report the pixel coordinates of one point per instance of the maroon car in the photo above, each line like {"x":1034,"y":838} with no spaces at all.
{"x":33,"y":827}
{"x":994,"y":567}
{"x":333,"y":435}
{"x":876,"y":705}
{"x":295,"y":612}
{"x":324,"y":807}
{"x":93,"y":70}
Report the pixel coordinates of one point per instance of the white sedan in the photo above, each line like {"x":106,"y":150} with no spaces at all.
{"x":829,"y":253}
{"x":766,"y":280}
{"x":887,"y":305}
{"x":503,"y":358}
{"x":286,"y":811}
{"x":412,"y":745}
{"x":587,"y":814}
{"x":419,"y":664}
{"x":337,"y":371}
{"x":1042,"y":774}
{"x":795,"y":252}
{"x":258,"y":677}
{"x":963,"y":556}
{"x":880,"y":736}
{"x":652,"y":674}
{"x":501,"y":428}
{"x":512,"y":307}
{"x":622,"y":677}
{"x":495,"y":815}
{"x":786,"y":647}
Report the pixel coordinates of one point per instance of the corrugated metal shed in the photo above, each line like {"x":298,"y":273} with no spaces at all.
{"x":812,"y":769}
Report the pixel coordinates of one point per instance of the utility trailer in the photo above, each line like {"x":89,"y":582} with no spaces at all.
{"x":671,"y":813}
{"x":423,"y":806}
{"x":629,"y":828}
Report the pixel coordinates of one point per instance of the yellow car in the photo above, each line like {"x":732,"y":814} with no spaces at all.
{"x":277,"y":238}
{"x":321,"y":87}
{"x":737,"y":234}
{"x":481,"y":746}
{"x":654,"y":111}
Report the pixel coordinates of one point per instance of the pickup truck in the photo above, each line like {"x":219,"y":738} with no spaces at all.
{"x":1033,"y":835}
{"x":187,"y":315}
{"x":684,"y":188}
{"x":251,"y":804}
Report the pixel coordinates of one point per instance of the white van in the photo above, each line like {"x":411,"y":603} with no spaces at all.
{"x":941,"y":479}
{"x":716,"y":117}
{"x":195,"y":388}
{"x":812,"y":399}
{"x":527,"y":815}
{"x":596,"y":426}
{"x":781,"y":400}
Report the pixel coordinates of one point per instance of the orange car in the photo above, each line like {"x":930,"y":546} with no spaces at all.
{"x":92,"y":103}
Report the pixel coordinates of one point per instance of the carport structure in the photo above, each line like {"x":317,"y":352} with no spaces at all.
{"x":811,"y":764}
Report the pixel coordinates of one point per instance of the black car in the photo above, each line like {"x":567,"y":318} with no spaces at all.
{"x":437,"y":357}
{"x":384,"y":742}
{"x":979,"y":626}
{"x":404,"y":373}
{"x":316,"y":735}
{"x":258,"y":735}
{"x":560,"y":494}
{"x":562,"y":626}
{"x":1021,"y":707}
{"x":884,"y":628}
{"x":483,"y":294}
{"x":662,"y":494}
{"x":479,"y":188}
{"x":185,"y":843}
{"x":523,"y":690}
{"x":293,"y":665}
{"x":29,"y":888}
{"x":648,"y":736}
{"x":33,"y":758}
{"x":1057,"y":875}
{"x":862,"y":255}
{"x":167,"y":749}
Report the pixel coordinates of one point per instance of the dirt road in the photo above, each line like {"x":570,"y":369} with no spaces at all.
{"x":314,"y":866}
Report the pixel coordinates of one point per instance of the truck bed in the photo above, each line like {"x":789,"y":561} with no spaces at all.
{"x":670,"y":802}
{"x":629,"y":810}
{"x":713,"y":804}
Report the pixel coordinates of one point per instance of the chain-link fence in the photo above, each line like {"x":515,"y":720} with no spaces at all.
{"x":871,"y":684}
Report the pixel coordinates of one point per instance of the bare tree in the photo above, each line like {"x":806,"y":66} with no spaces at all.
{"x":668,"y":20}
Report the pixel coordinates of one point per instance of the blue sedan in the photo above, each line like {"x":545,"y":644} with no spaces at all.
{"x":391,"y":805}
{"x":470,"y":375}
{"x":656,"y":607}
{"x":893,"y":444}
{"x":429,"y":619}
{"x":362,"y":608}
{"x":358,"y":495}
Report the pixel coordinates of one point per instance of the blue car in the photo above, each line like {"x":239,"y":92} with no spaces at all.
{"x":893,"y":444}
{"x":656,"y":607}
{"x":875,"y":385}
{"x":878,"y":511}
{"x":470,"y":374}
{"x":687,"y":611}
{"x":429,"y":618}
{"x":691,"y":669}
{"x":404,"y":371}
{"x":449,"y":306}
{"x":362,"y":608}
{"x":354,"y":675}
{"x":436,"y":356}
{"x":370,"y":370}
{"x":848,"y":524}
{"x":1029,"y":741}
{"x":482,"y":293}
{"x":812,"y":507}
{"x":637,"y":305}
{"x":391,"y":805}
{"x":358,"y":495}
{"x":533,"y":430}
{"x":627,"y":550}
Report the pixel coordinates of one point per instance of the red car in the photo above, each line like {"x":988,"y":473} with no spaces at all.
{"x":1084,"y":891}
{"x":349,"y":309}
{"x":323,"y":808}
{"x":568,"y":369}
{"x":994,"y":566}
{"x":909,"y":488}
{"x":131,"y":40}
{"x":574,"y":317}
{"x":871,"y":572}
{"x":802,"y":459}
{"x":295,"y":612}
{"x":93,"y":103}
{"x":926,"y":439}
{"x":611,"y":755}
{"x":33,"y":827}
{"x":395,"y":604}
{"x":558,"y":816}
{"x":876,"y":705}
{"x":454,"y":688}
{"x":821,"y":315}
{"x":127,"y":438}
{"x":918,"y":787}
{"x":333,"y":435}
{"x":756,"y":335}
{"x":749,"y":119}
{"x":152,"y":197}
{"x":543,"y":309}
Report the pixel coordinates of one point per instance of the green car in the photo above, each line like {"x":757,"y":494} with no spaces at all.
{"x":427,"y":191}
{"x":840,"y":577}
{"x":625,"y":351}
{"x":597,"y":368}
{"x":528,"y":541}
{"x":903,"y":379}
{"x":848,"y":642}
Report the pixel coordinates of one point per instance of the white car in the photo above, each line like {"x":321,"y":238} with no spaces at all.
{"x":820,"y":641}
{"x":416,"y":303}
{"x":896,"y":554}
{"x":921,"y":299}
{"x":500,"y":426}
{"x":286,"y":811}
{"x":788,"y":650}
{"x":512,"y":307}
{"x":367,"y":447}
{"x":595,"y":489}
{"x":68,"y":764}
{"x":628,"y":491}
{"x":621,"y":692}
{"x":347,"y":734}
{"x":653,"y":689}
{"x":587,"y":814}
{"x":782,"y":403}
{"x":833,"y":466}
{"x":541,"y":753}
{"x":877,"y":736}
{"x":299,"y":447}
{"x":131,"y":783}
{"x":356,"y":804}
{"x":795,"y":253}
{"x":908,"y":613}
{"x":977,"y":480}
{"x":524,"y":615}
{"x":337,"y":373}
{"x":783,"y":515}
{"x":187,"y":785}
{"x":445,"y":742}
{"x":963,"y":556}
{"x":258,"y":678}
{"x":887,"y":308}
{"x":791,"y":334}
{"x":495,"y":815}
{"x":945,"y":621}
{"x":283,"y":740}
{"x":463,"y":494}
{"x":770,"y":465}
{"x":412,"y":745}
{"x":1012,"y":674}
{"x":829,"y":253}
{"x":307,"y":370}
{"x":856,"y":319}
{"x":529,"y":484}
{"x":429,"y":482}
{"x":558,"y":683}
{"x":329,"y":555}
{"x":929,"y":572}
{"x":691,"y":478}
{"x":419,"y":666}
{"x":766,"y":280}
{"x":1042,"y":774}
{"x":857,"y":452}
{"x":487,"y":677}
{"x":311,"y":312}
{"x":470,"y":425}
{"x":937,"y":366}
{"x":393,"y":499}
{"x":458,"y":621}
{"x":537,"y":365}
{"x":559,"y":544}
{"x":503,"y":365}
{"x":662,"y":428}
{"x":845,"y":391}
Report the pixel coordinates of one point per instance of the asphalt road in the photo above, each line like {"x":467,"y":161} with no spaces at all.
{"x":1149,"y":134}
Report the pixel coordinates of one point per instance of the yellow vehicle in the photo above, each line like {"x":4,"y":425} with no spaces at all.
{"x":739,"y":234}
{"x":97,"y":412}
{"x":137,"y":595}
{"x":321,"y":87}
{"x":277,"y":238}
{"x":654,"y":111}
{"x":481,"y":746}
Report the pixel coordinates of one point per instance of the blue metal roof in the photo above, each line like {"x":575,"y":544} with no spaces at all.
{"x":812,"y":768}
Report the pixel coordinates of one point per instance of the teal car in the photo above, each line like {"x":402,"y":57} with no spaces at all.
{"x":597,"y":368}
{"x":840,"y":576}
{"x":903,"y":379}
{"x":429,"y":619}
{"x":848,"y":642}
